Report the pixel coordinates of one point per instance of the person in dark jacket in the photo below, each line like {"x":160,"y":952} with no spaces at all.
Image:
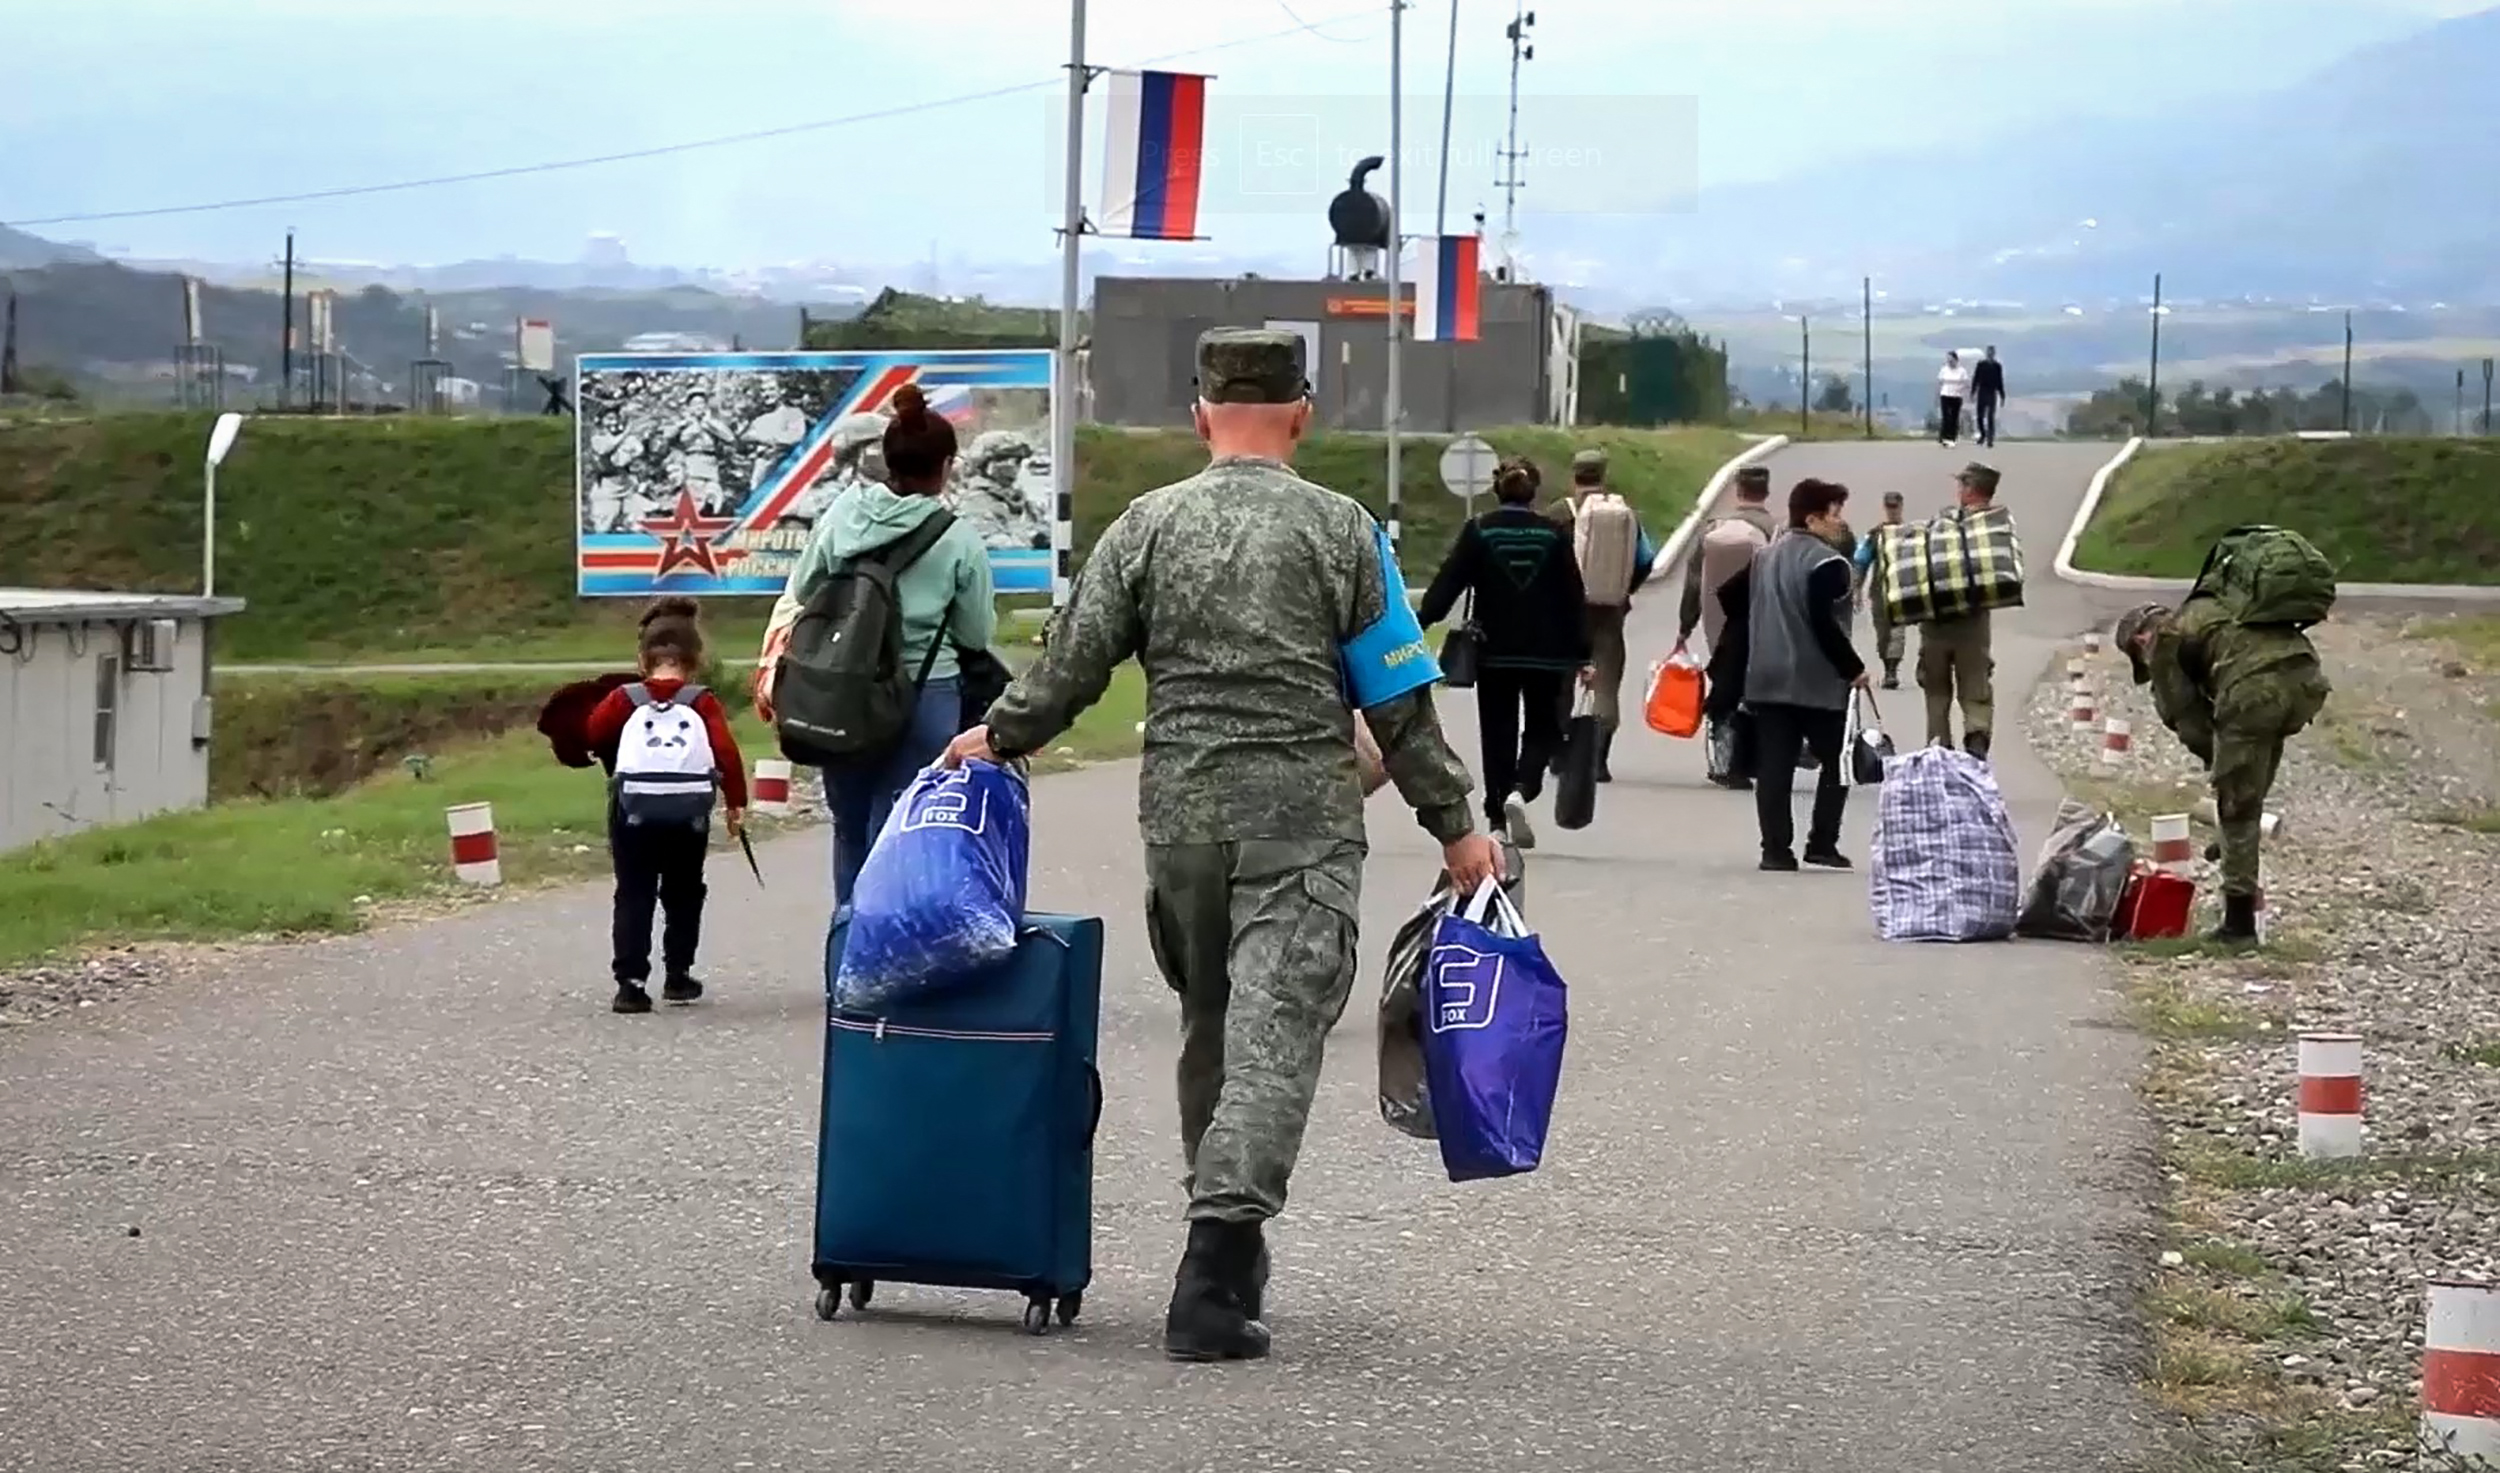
{"x":1987,"y":391}
{"x":1517,"y":564}
{"x":1800,"y":672}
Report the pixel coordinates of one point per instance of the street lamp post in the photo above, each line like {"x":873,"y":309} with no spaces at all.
{"x":220,"y":445}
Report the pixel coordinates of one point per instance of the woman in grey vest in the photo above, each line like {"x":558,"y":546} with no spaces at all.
{"x":1800,"y":670}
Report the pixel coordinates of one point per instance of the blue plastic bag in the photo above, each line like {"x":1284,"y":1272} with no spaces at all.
{"x":1494,"y":1024}
{"x":941,"y":893}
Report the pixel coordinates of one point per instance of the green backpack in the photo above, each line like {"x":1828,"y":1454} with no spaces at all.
{"x":2268,"y":575}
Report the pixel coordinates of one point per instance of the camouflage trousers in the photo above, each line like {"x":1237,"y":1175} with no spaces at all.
{"x":1258,"y":939}
{"x":1891,"y":640}
{"x":1954,"y":660}
{"x":2248,"y":749}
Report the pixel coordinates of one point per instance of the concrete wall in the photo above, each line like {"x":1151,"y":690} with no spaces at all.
{"x":50,"y":780}
{"x":1146,"y":335}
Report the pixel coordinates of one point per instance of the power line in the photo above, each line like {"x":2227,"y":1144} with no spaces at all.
{"x":1316,"y":31}
{"x":727,"y":140}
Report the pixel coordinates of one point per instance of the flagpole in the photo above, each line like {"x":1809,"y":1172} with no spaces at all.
{"x":1063,"y":376}
{"x":1393,"y":409}
{"x":1441,"y":209}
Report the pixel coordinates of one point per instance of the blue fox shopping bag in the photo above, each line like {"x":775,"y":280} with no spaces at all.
{"x":1494,"y":1023}
{"x":942,"y":891}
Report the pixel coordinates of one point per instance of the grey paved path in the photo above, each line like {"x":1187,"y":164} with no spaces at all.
{"x":415,"y":1201}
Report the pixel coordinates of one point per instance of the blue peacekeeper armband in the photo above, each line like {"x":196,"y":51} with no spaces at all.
{"x":1390,"y":658}
{"x":1644,"y":553}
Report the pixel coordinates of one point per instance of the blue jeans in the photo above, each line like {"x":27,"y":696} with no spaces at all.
{"x":862,"y":794}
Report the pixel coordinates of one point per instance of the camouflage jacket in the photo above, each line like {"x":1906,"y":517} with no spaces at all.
{"x":2204,"y":664}
{"x":1234,"y":590}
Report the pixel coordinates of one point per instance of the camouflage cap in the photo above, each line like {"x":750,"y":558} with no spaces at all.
{"x":1979,"y":477}
{"x":2131,"y":624}
{"x":1588,"y":460}
{"x":1251,"y":365}
{"x":1892,"y":498}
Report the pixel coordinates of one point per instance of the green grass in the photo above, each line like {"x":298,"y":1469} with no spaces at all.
{"x":2484,"y":1052}
{"x":2233,"y":1171}
{"x":2169,"y":1011}
{"x":2384,"y":510}
{"x":2229,"y":1260}
{"x":292,"y":865}
{"x":2248,"y":1317}
{"x":416,"y":539}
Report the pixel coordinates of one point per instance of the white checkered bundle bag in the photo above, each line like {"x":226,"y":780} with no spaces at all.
{"x":1944,"y":866}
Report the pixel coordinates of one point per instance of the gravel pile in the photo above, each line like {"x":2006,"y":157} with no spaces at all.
{"x":2382,"y":900}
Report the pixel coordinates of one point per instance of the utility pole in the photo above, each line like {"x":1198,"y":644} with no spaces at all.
{"x":1866,"y":390}
{"x":2348,"y":371}
{"x":2460,"y":421}
{"x":1392,"y":403}
{"x":1441,"y":210}
{"x":2486,"y":396}
{"x":1071,"y":286}
{"x":286,"y":347}
{"x":2152,"y":394}
{"x":1520,"y":50}
{"x":1805,"y":376}
{"x":8,"y":345}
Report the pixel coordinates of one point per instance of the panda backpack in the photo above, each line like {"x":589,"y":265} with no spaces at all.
{"x":666,"y":776}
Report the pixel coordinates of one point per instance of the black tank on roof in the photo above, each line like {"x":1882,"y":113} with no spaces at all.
{"x":1358,"y":216}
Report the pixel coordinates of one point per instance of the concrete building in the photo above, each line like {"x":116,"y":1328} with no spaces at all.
{"x":104,"y":708}
{"x":1522,"y":369}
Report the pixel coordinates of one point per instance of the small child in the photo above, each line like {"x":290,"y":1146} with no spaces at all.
{"x":674,"y":755}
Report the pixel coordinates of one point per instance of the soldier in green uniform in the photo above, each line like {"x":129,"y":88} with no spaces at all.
{"x":1265,"y":611}
{"x":2232,"y":692}
{"x":1954,"y":657}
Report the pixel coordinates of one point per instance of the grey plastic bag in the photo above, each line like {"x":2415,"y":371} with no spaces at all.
{"x":1404,"y":1100}
{"x":2083,"y":873}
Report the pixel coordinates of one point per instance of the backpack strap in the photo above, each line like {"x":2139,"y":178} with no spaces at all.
{"x":903,"y":551}
{"x":638,"y":694}
{"x":687,"y":695}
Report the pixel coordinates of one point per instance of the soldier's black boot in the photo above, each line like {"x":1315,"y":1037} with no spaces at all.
{"x":1210,"y":1316}
{"x":2239,"y":921}
{"x":1605,"y":752}
{"x":1976,"y":743}
{"x":1254,"y":1300}
{"x":1892,"y":675}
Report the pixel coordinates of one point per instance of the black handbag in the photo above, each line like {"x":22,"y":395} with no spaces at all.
{"x":1869,"y":748}
{"x":1575,"y":788}
{"x":981,"y":678}
{"x":1462,"y":650}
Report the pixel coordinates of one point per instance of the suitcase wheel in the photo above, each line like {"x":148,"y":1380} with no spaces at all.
{"x":862,"y":1292}
{"x":828,"y":1302}
{"x":1037,"y":1316}
{"x":1070,"y":1306}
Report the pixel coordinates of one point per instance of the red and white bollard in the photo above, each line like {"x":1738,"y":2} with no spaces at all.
{"x":771,"y":786}
{"x":2461,"y":1372}
{"x":2078,"y":672}
{"x":474,"y":858}
{"x":2083,"y":712}
{"x":2173,"y":848}
{"x":2330,"y":1095}
{"x":2117,"y":742}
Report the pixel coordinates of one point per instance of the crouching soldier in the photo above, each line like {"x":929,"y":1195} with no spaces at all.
{"x":2232,"y":690}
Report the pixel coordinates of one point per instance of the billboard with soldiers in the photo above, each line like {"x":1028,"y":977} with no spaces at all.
{"x":705,"y":473}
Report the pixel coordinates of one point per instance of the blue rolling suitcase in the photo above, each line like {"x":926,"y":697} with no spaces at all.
{"x":957,"y":1137}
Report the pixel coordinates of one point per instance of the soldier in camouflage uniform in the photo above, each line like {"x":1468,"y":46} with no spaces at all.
{"x":2233,"y":692}
{"x":1249,"y":596}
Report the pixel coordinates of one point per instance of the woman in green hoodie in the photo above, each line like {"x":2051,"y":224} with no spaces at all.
{"x":947,"y":606}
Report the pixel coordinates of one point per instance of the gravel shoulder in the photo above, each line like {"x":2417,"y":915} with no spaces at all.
{"x":2287,"y":1307}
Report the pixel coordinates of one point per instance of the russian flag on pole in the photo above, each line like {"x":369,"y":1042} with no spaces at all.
{"x":1447,"y":292}
{"x":1154,"y":143}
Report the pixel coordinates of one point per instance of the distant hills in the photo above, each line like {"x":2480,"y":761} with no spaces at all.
{"x":2369,"y":179}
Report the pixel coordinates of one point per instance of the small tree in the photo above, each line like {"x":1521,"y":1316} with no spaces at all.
{"x":1835,"y":397}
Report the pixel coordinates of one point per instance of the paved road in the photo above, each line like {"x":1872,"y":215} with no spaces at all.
{"x":416,"y":1200}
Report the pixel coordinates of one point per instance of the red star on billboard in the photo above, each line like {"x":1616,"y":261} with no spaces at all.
{"x":687,"y":536}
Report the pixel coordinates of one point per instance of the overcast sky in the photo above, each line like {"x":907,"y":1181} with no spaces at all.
{"x":110,"y":105}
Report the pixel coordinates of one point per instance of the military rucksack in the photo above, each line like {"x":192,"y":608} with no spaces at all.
{"x":2268,"y":575}
{"x":841,"y":691}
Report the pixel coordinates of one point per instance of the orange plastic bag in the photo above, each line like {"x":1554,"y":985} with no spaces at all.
{"x":1675,"y":692}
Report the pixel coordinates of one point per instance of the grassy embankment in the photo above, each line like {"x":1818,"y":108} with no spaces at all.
{"x":411,"y":541}
{"x":2384,"y":510}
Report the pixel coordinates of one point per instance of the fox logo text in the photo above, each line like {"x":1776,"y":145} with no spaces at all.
{"x":1465,"y":987}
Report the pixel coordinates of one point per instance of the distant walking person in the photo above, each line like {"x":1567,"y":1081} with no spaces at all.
{"x":1952,"y":387}
{"x":1727,"y":547}
{"x":1799,"y":671}
{"x":1531,"y":606}
{"x":1891,"y":640}
{"x":1987,"y":387}
{"x":1614,"y":554}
